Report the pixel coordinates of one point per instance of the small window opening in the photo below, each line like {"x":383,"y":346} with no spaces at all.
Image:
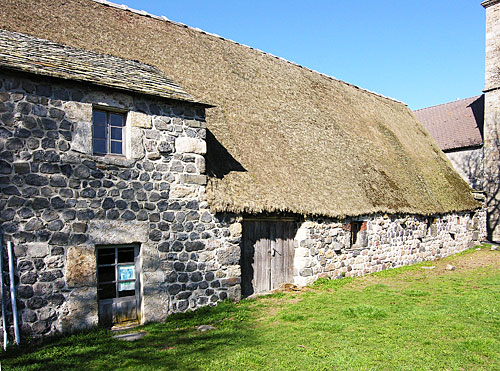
{"x":355,"y":228}
{"x":428,"y":223}
{"x":108,"y":132}
{"x":116,"y":272}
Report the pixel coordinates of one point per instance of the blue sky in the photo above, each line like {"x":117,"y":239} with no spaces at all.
{"x":422,"y":52}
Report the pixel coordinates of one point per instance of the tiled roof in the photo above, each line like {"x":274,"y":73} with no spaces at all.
{"x":455,"y":124}
{"x":30,"y":54}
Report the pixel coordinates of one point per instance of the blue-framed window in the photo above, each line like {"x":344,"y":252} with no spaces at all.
{"x":108,"y":134}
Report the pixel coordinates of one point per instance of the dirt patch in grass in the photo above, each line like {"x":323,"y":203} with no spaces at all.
{"x":467,"y":260}
{"x":271,"y":304}
{"x":470,"y":259}
{"x":478,"y":259}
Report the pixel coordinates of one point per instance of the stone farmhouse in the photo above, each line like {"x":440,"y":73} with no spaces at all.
{"x":149,"y":168}
{"x":467,"y":129}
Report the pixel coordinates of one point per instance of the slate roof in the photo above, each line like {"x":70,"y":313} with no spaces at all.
{"x":281,"y":137}
{"x":455,"y":125}
{"x":31,"y":54}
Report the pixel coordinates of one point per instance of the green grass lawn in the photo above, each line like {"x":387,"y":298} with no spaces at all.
{"x":409,"y":318}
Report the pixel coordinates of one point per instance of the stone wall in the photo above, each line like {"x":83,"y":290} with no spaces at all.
{"x":492,"y":73}
{"x":323,"y":246}
{"x":59,"y":201}
{"x":492,"y":162}
{"x":492,"y":118}
{"x":469,"y":164}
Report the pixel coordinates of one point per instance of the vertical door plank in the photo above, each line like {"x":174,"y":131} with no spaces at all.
{"x":274,"y":273}
{"x":286,"y":252}
{"x":265,"y":248}
{"x":265,"y":256}
{"x":277,"y":255}
{"x":105,"y":314}
{"x":266,"y":232}
{"x":289,"y":251}
{"x":259,"y":262}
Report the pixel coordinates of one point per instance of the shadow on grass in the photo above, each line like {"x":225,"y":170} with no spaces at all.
{"x":175,"y":344}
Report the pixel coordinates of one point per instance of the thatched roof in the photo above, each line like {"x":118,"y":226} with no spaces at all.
{"x":288,"y":138}
{"x":25,"y":53}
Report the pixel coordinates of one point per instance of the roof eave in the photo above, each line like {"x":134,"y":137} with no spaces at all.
{"x":61,"y":76}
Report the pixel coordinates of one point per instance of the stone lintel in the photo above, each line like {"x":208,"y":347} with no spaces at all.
{"x":117,"y":232}
{"x":140,"y":120}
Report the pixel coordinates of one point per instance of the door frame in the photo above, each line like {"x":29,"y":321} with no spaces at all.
{"x":137,"y":286}
{"x":247,"y":258}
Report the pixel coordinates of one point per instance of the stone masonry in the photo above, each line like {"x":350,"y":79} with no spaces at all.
{"x":492,"y":118}
{"x":59,"y":201}
{"x":469,"y":164}
{"x":323,"y":245}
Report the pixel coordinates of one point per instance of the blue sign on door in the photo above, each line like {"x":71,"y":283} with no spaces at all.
{"x":126,"y":272}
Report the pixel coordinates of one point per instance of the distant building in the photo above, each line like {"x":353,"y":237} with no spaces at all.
{"x":457,"y":128}
{"x":468,"y":130}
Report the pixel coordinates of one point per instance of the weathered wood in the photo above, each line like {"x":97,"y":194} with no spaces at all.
{"x":105,"y":313}
{"x":267,"y":255}
{"x":124,"y":311}
{"x":118,"y":310}
{"x":289,"y":251}
{"x":276,"y":254}
{"x":262,"y":261}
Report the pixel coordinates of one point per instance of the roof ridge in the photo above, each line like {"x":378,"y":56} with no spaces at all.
{"x":165,"y":19}
{"x":444,"y":104}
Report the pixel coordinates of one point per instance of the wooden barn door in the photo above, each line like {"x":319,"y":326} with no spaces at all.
{"x":266,"y":255}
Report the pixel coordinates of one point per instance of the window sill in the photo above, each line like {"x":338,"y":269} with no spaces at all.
{"x":116,"y":160}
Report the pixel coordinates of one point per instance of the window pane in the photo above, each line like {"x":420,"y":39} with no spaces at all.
{"x":122,"y":294}
{"x":99,"y":131}
{"x":116,"y":119}
{"x":106,"y":291}
{"x":126,"y":272}
{"x":105,"y":256}
{"x":116,"y":133}
{"x":116,"y":147}
{"x":99,"y":146}
{"x":99,"y":117}
{"x":106,"y":274}
{"x":126,"y":255}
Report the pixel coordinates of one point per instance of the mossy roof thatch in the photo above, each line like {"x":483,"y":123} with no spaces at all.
{"x":281,"y":137}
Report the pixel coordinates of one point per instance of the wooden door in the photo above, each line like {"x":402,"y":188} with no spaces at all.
{"x":118,"y":287}
{"x":267,"y":255}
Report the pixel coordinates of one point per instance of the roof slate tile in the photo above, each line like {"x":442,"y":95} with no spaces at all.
{"x":30,"y":54}
{"x":455,"y":124}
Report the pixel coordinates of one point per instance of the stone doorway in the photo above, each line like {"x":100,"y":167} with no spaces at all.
{"x":267,"y":255}
{"x":118,"y":285}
